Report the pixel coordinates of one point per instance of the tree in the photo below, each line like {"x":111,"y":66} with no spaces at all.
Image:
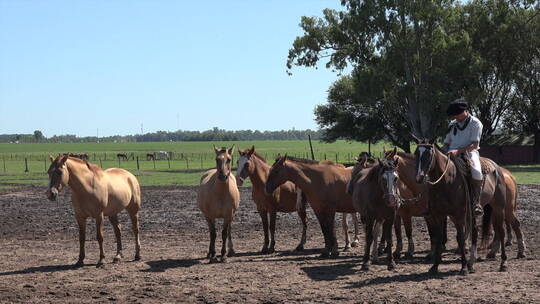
{"x":417,"y":47}
{"x":38,"y":135}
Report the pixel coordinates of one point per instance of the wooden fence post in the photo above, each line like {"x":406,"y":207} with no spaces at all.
{"x":169,"y":161}
{"x":119,"y":162}
{"x":154,"y":160}
{"x":138,"y":168}
{"x":187,"y":162}
{"x":100,"y":164}
{"x":26,"y":165}
{"x":4,"y":158}
{"x":45,"y":166}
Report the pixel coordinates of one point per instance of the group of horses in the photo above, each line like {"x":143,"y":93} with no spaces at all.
{"x":385,"y":192}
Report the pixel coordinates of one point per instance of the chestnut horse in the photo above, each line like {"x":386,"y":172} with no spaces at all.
{"x":286,"y":198}
{"x":324,"y":185}
{"x":97,"y":193}
{"x":375,"y":195}
{"x":218,"y":197}
{"x":448,"y":196}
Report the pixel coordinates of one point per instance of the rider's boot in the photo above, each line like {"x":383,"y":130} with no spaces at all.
{"x":476,"y":191}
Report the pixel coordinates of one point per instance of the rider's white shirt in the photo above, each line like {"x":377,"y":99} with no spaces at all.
{"x":464,"y":137}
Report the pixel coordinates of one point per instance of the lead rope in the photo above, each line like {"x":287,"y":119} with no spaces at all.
{"x":443,"y":174}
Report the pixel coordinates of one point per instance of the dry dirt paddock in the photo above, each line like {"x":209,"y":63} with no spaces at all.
{"x":39,"y":243}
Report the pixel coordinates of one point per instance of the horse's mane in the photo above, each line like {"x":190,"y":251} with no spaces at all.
{"x":94,"y":168}
{"x":259,"y":156}
{"x":314,"y":162}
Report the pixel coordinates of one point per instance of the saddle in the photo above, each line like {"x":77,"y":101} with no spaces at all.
{"x":463,"y":164}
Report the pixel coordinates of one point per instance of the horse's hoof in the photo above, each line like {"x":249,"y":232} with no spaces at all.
{"x":264,"y":250}
{"x":520,"y":255}
{"x":391,"y":266}
{"x":471,"y":269}
{"x":464,"y":272}
{"x":299,"y":248}
{"x":116,"y":260}
{"x":354,"y":244}
{"x":508,"y":243}
{"x":365,"y":267}
{"x":212,"y":260}
{"x":433,"y":270}
{"x":408,"y":255}
{"x":209,"y":255}
{"x":223,"y":259}
{"x":79,"y":263}
{"x":479,"y":259}
{"x":490,"y":256}
{"x":100,"y":265}
{"x":231,"y":253}
{"x":397,"y":255}
{"x":271,"y":250}
{"x":137,"y":258}
{"x":346,"y":249}
{"x":503,"y":268}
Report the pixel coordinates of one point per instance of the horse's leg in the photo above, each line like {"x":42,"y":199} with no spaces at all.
{"x":399,"y":240}
{"x":509,"y":235}
{"x":230,"y":242}
{"x":387,"y":232}
{"x":431,"y":253}
{"x":368,"y":227}
{"x":356,"y":239}
{"x":273,"y":216}
{"x":116,"y":226}
{"x":516,"y":226}
{"x":264,"y":218}
{"x":498,"y":225}
{"x":375,"y":233}
{"x":460,"y":237}
{"x":81,"y":221}
{"x":444,"y":233}
{"x":474,"y":245}
{"x":410,"y":242}
{"x":334,"y":251}
{"x":212,"y":248}
{"x":303,"y":218}
{"x":99,"y":237}
{"x":437,"y":230}
{"x":345,"y":232}
{"x":324,"y":228}
{"x":224,"y":235}
{"x":133,"y":211}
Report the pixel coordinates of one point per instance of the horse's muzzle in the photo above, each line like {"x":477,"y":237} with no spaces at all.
{"x":223,"y":178}
{"x":239,"y":180}
{"x":52,"y":194}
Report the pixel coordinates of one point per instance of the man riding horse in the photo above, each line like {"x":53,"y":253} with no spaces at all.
{"x":463,"y":137}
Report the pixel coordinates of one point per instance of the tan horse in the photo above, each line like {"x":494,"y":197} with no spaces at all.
{"x":97,"y":193}
{"x":218,"y":197}
{"x":324,"y":186}
{"x":286,"y":198}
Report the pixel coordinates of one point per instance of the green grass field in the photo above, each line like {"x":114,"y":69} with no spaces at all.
{"x":189,"y":159}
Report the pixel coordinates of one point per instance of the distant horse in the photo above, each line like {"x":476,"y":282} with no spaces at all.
{"x":324,"y":185}
{"x":218,"y":197}
{"x":122,"y":156}
{"x":82,"y":156}
{"x":376,"y":197}
{"x":283,"y":199}
{"x":448,"y":196}
{"x":97,"y":193}
{"x":150,"y":156}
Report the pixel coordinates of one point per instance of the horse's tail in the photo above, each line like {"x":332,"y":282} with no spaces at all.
{"x":486,"y":226}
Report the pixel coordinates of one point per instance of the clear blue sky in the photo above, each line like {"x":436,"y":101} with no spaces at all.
{"x":73,"y":67}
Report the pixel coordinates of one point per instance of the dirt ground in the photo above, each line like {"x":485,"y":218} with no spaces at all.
{"x":39,"y":243}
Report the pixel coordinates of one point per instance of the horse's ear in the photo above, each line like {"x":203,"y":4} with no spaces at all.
{"x":64,"y":159}
{"x":231,"y":150}
{"x":416,"y":139}
{"x":433,"y":140}
{"x":396,"y":161}
{"x":51,"y":158}
{"x":384,"y":149}
{"x":215,"y":149}
{"x":251,"y":151}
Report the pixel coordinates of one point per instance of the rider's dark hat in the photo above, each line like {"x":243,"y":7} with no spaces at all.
{"x":457,"y":107}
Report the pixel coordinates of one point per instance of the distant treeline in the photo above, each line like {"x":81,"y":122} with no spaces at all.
{"x":214,"y":134}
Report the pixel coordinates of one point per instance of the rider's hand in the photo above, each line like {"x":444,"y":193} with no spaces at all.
{"x":453,"y":152}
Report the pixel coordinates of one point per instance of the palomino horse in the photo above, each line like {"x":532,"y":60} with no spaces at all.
{"x":448,"y":196}
{"x":285,"y":198}
{"x":97,"y":193}
{"x":218,"y":197}
{"x":375,"y":195}
{"x":324,"y":185}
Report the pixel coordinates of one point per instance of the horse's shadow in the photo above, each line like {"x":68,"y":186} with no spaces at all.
{"x":162,"y":265}
{"x":40,"y":269}
{"x":412,"y":277}
{"x":330,"y":272}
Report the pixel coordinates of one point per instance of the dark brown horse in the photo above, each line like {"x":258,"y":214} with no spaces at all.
{"x":375,"y":195}
{"x":448,"y":196}
{"x":324,"y":185}
{"x":122,"y":156}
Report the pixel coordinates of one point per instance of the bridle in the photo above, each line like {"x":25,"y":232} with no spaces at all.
{"x":431,"y":163}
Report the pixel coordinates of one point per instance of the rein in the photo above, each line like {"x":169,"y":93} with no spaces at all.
{"x":442,"y":175}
